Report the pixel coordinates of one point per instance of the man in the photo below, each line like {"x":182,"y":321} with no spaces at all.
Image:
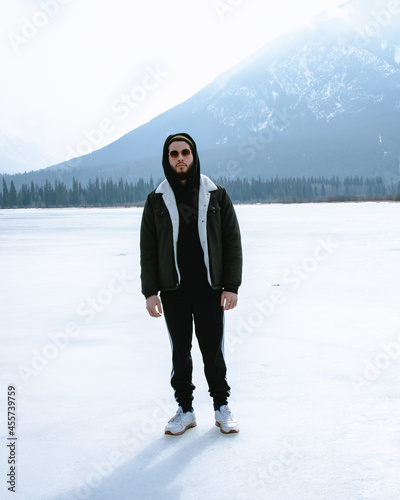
{"x":191,"y":253}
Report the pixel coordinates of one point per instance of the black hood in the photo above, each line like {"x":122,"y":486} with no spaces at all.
{"x":194,"y":181}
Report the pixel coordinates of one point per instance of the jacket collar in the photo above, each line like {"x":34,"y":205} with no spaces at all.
{"x":205,"y":183}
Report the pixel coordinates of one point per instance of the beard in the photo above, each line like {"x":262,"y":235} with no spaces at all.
{"x":183,"y":176}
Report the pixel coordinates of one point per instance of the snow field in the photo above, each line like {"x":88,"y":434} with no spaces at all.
{"x":312,"y":352}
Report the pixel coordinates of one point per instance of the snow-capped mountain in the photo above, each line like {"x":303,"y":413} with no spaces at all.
{"x":19,"y":156}
{"x":323,"y":100}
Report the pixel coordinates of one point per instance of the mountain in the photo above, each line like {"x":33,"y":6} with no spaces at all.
{"x":320,"y":101}
{"x":17,"y":155}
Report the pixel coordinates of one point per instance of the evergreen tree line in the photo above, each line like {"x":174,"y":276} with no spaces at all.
{"x":294,"y":189}
{"x":100,"y":193}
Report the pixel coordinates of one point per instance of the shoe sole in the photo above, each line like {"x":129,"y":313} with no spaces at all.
{"x":190,"y":426}
{"x":232,"y":431}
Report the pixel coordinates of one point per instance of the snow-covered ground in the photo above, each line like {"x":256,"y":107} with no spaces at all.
{"x":313,"y":353}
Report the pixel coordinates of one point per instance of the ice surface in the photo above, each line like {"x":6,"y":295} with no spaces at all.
{"x":313,"y":353}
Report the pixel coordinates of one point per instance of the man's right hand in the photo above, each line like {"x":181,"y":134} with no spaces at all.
{"x":153,"y":306}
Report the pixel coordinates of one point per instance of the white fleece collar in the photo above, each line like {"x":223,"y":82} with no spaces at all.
{"x":205,"y":182}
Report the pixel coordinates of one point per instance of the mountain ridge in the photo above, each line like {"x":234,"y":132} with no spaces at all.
{"x":322,"y":100}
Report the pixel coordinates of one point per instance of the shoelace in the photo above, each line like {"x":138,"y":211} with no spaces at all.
{"x":176,"y":416}
{"x":227,"y":415}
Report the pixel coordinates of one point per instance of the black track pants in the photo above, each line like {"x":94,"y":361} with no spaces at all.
{"x":208,"y":316}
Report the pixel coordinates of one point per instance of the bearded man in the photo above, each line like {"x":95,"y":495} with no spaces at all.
{"x":191,"y":269}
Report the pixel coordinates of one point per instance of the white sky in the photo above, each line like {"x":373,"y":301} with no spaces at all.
{"x":67,"y":71}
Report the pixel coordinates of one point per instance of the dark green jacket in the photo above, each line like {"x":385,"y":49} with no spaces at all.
{"x":218,"y":232}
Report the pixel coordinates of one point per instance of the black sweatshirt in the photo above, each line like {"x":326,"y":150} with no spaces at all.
{"x":190,"y":254}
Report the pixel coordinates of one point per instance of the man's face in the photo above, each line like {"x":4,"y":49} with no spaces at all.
{"x":180,"y":158}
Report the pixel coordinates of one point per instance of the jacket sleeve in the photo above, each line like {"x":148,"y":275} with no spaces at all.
{"x":231,"y":245}
{"x":149,"y":252}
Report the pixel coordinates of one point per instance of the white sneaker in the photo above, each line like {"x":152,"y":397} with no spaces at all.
{"x":180,"y":422}
{"x":225,"y":421}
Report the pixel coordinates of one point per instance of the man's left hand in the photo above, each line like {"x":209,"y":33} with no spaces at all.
{"x":229,"y":300}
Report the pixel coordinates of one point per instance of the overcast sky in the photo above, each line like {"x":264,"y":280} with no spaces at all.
{"x":70,"y":67}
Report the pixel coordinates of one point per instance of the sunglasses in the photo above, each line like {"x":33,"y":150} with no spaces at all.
{"x":175,"y":154}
